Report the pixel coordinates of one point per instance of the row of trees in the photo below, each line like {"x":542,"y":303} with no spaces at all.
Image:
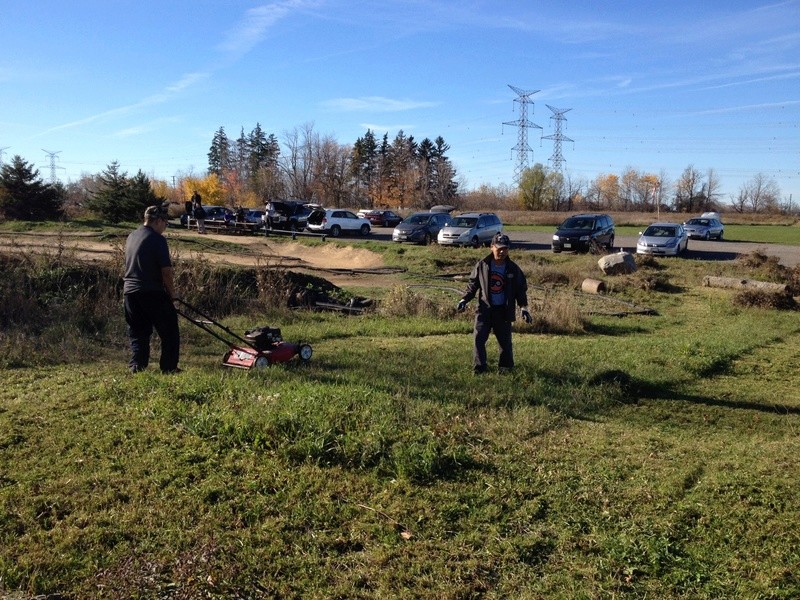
{"x":693,"y":192}
{"x":112,"y":195}
{"x":254,"y":168}
{"x":398,"y":172}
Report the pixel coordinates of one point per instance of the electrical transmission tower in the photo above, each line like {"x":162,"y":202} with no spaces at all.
{"x":557,"y":159}
{"x":522,"y":147}
{"x":52,"y":155}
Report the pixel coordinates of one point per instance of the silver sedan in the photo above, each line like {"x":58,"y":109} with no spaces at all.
{"x":663,"y":239}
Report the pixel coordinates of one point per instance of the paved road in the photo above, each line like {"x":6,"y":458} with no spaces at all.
{"x":538,"y":241}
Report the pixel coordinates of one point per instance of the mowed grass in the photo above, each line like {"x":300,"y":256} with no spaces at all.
{"x":639,"y":456}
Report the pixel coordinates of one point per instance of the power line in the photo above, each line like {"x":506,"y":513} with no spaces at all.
{"x":557,"y":159}
{"x":522,"y":147}
{"x":53,"y":167}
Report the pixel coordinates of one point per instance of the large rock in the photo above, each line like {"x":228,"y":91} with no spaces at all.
{"x":617,"y":264}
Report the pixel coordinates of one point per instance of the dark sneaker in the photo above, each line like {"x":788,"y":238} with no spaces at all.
{"x":479,"y":370}
{"x":174,"y":371}
{"x":135,"y":369}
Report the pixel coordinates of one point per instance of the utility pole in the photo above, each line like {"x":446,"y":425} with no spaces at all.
{"x":557,"y":159}
{"x":522,"y":147}
{"x":53,"y":167}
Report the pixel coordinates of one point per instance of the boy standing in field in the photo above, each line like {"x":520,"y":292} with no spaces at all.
{"x":499,"y":284}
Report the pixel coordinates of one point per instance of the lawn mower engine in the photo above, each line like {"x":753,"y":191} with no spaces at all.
{"x":267,"y":348}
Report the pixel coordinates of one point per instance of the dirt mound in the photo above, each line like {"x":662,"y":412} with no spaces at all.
{"x":332,"y":257}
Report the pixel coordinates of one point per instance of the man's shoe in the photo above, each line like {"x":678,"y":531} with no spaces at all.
{"x":135,"y":369}
{"x":174,"y":371}
{"x":479,"y":370}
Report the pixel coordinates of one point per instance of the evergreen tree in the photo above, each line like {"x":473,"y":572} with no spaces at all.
{"x":141,"y":194}
{"x":23,"y":194}
{"x":263,"y":164}
{"x":219,"y":155}
{"x":402,"y":172}
{"x":443,"y":187}
{"x":241,"y":157}
{"x":112,"y":199}
{"x":364,"y":167}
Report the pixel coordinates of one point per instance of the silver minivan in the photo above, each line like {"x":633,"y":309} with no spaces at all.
{"x":470,"y":229}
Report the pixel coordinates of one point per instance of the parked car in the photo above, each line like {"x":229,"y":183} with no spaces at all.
{"x":219,"y":215}
{"x":337,"y":221}
{"x":383,"y":218}
{"x":704,"y":228}
{"x":470,"y":229}
{"x":579,"y":231}
{"x":216,"y":211}
{"x":420,"y":228}
{"x":291,"y":215}
{"x":254,"y":215}
{"x":663,"y":239}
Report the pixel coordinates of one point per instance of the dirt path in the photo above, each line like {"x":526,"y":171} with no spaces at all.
{"x":344,"y":266}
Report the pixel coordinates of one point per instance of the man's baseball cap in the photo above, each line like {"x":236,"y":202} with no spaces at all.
{"x":156,"y":212}
{"x":500,"y":240}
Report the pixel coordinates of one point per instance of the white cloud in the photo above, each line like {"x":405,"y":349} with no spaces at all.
{"x":255,"y":24}
{"x":375,"y":104}
{"x":379,"y":129}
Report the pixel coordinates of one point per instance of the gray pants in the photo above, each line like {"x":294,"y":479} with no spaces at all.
{"x":486,"y":322}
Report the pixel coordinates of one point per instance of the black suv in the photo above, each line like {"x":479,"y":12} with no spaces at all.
{"x":579,"y":232}
{"x":291,"y":215}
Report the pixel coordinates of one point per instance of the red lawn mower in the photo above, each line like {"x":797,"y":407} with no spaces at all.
{"x":260,"y":347}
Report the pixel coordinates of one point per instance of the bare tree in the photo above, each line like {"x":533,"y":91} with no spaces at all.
{"x":297,"y":165}
{"x":572,"y":192}
{"x":690,"y":191}
{"x":331,"y":177}
{"x":762,"y":193}
{"x":713,"y":195}
{"x":739,"y":201}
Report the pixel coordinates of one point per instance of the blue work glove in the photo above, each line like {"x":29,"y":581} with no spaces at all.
{"x":526,"y":316}
{"x":462,"y":305}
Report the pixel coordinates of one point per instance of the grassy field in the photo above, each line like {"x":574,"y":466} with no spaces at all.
{"x":628,"y":455}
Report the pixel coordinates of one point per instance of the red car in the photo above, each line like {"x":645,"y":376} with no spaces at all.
{"x":383,"y":218}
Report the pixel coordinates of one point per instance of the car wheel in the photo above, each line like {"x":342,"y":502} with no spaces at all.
{"x":610,"y":243}
{"x":336,"y":231}
{"x":365,"y":229}
{"x":475,"y":242}
{"x":719,"y":237}
{"x":707,"y":236}
{"x":427,"y":240}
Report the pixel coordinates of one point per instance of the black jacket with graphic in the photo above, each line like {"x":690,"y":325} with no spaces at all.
{"x":516,"y":286}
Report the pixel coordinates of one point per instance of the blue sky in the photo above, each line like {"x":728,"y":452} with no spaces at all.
{"x":656,"y":86}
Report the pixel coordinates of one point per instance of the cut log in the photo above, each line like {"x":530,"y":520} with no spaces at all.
{"x":593,"y":286}
{"x":740,"y":284}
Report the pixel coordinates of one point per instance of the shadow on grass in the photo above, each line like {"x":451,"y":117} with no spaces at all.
{"x":650,"y":391}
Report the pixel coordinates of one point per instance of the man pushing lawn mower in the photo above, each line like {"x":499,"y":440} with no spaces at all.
{"x":149,"y":293}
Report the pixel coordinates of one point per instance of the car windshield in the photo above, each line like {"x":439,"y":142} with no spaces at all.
{"x":698,"y":222}
{"x":418,"y":219}
{"x":660,"y":231}
{"x":578,"y":223}
{"x":464,"y":222}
